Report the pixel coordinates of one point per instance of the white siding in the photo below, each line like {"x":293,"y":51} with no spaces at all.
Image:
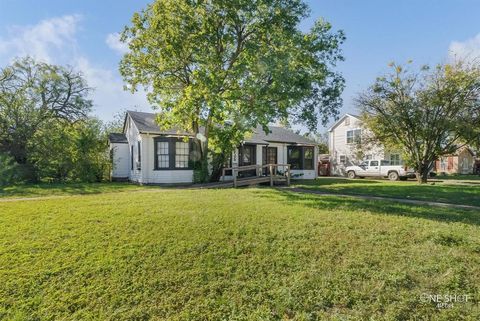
{"x":152,"y":176}
{"x":133,"y":136}
{"x":338,"y":146}
{"x":121,"y":160}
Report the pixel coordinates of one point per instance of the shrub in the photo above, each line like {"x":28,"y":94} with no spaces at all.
{"x":8,"y":170}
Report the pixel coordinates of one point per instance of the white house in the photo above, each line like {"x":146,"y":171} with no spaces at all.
{"x":346,"y":148}
{"x":146,"y":154}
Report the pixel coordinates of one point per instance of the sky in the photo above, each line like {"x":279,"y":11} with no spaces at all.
{"x":84,"y":35}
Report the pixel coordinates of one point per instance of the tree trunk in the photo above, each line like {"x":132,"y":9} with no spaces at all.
{"x":204,"y":157}
{"x":218,"y":161}
{"x":422,"y":172}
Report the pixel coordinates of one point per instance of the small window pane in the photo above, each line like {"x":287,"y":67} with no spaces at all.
{"x":293,"y":157}
{"x":181,"y":154}
{"x":308,"y":158}
{"x":395,"y":159}
{"x":162,"y":155}
{"x":350,"y":137}
{"x":374,"y":163}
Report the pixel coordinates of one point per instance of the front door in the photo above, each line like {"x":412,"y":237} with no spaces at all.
{"x":269,"y":157}
{"x":248,"y":156}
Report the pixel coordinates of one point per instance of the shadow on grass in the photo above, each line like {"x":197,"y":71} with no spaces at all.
{"x":464,"y":195}
{"x":460,"y":177}
{"x":440,"y":214}
{"x":327,"y":181}
{"x":45,"y":189}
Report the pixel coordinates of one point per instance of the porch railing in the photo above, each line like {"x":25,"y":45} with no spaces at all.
{"x":273,"y":172}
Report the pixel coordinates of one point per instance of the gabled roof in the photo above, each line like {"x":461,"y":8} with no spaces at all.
{"x":341,"y":119}
{"x":145,"y":123}
{"x":117,"y":138}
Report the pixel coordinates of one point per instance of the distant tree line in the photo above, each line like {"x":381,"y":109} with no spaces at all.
{"x":46,"y":133}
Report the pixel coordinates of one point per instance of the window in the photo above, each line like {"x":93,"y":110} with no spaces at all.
{"x":181,"y":154}
{"x":301,"y":157}
{"x":373,"y":163}
{"x":343,"y":159}
{"x":384,"y":162}
{"x":163,"y":157}
{"x":308,"y":158}
{"x":395,"y":159}
{"x":131,"y":157}
{"x":171,"y":153}
{"x":294,"y":155}
{"x":443,"y":164}
{"x":139,"y":156}
{"x":247,"y":155}
{"x":354,"y":136}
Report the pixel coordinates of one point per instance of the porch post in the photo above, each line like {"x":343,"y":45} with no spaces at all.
{"x":271,"y":174}
{"x":234,"y":177}
{"x":288,"y":175}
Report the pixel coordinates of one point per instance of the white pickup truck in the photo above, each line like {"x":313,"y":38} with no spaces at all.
{"x":379,"y":168}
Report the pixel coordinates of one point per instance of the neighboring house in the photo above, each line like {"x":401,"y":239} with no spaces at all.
{"x":461,"y":162}
{"x":146,"y":154}
{"x":346,"y":147}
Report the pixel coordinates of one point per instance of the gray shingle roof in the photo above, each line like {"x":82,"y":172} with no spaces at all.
{"x":145,"y":123}
{"x":117,"y":138}
{"x":279,"y":135}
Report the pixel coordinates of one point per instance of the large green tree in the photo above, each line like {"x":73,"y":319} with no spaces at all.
{"x":70,"y":152}
{"x":33,"y":94}
{"x":425,"y":114}
{"x":228,"y":66}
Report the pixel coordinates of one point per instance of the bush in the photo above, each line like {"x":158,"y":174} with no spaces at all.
{"x":64,"y":152}
{"x":8,"y":169}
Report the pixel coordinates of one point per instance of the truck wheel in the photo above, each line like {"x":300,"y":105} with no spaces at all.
{"x":351,"y":174}
{"x":393,"y":176}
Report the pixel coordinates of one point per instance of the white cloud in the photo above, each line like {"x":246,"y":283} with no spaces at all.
{"x":54,"y":41}
{"x":468,"y":49}
{"x":109,"y":95}
{"x":113,"y":41}
{"x":42,"y":41}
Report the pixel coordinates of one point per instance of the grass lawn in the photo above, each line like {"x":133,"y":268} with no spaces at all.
{"x":440,"y":192}
{"x":243,"y":254}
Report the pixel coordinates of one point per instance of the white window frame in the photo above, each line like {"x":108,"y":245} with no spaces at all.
{"x":182,"y":154}
{"x":353,"y":130}
{"x":395,"y":162}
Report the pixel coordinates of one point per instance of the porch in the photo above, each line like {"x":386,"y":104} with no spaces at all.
{"x":268,"y":173}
